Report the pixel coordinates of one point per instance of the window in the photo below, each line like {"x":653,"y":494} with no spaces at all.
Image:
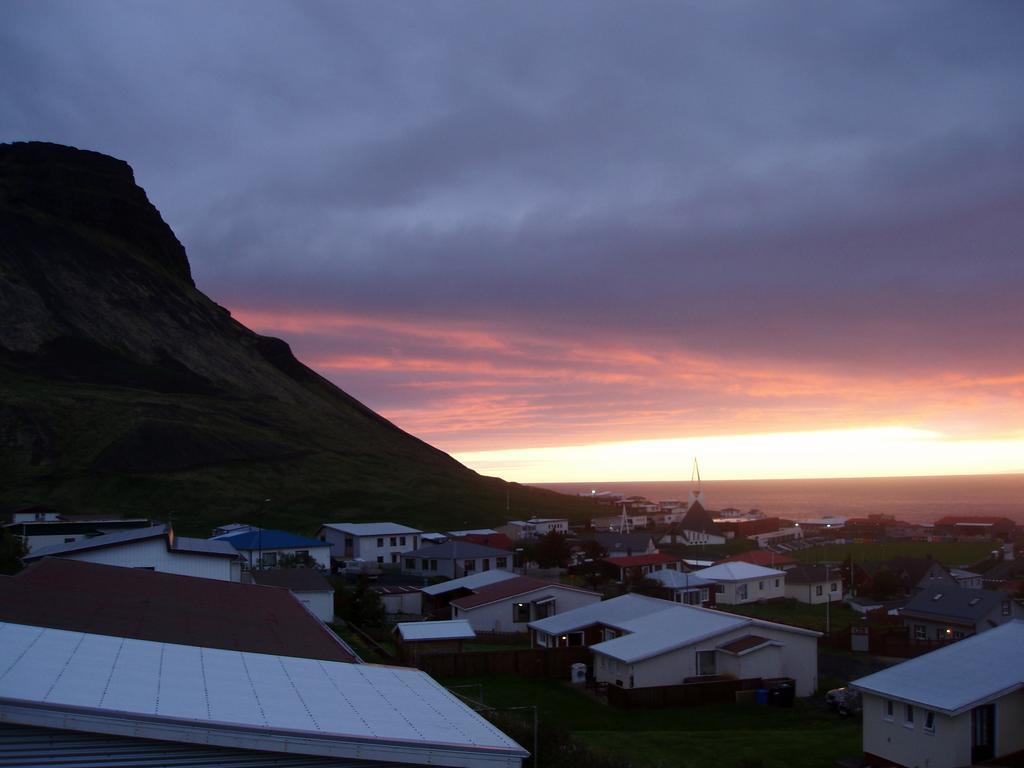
{"x":401,"y":540}
{"x":469,"y":565}
{"x":394,"y":541}
{"x":958,"y":635}
{"x":395,"y":557}
{"x":741,"y":592}
{"x":692,"y":597}
{"x":704,"y":595}
{"x":929,"y":721}
{"x":501,"y":562}
{"x":760,"y":585}
{"x":268,"y":559}
{"x":410,"y":564}
{"x":302,"y":554}
{"x":832,"y":587}
{"x":380,"y":541}
{"x":544,"y":608}
{"x":520,"y":613}
{"x":818,"y":590}
{"x":433,"y":565}
{"x":706,"y":663}
{"x":380,"y":559}
{"x":776,"y":583}
{"x":920,"y":632}
{"x":887,"y":713}
{"x":908,"y":715}
{"x":1006,"y":607}
{"x":719,"y":589}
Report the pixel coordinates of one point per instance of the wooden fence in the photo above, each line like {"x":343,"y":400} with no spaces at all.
{"x":545,"y":663}
{"x":686,"y":695}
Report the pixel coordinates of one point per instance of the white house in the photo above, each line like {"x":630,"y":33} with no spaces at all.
{"x":959,"y":705}
{"x":814,"y":584}
{"x":369,"y":545}
{"x":535,"y":527}
{"x":155,"y":548}
{"x":685,"y":588}
{"x":224,"y":699}
{"x":510,"y":605}
{"x":50,"y":531}
{"x":740,"y":582}
{"x":647,"y":642}
{"x":306,"y":584}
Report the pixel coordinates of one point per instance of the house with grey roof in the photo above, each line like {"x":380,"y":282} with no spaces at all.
{"x":960,"y":705}
{"x":618,"y":544}
{"x":740,"y":582}
{"x":155,"y":548}
{"x":814,"y":584}
{"x":944,"y":613}
{"x":369,"y":546}
{"x":455,"y":559}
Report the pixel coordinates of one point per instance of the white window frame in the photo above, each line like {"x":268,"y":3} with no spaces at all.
{"x":929,"y":721}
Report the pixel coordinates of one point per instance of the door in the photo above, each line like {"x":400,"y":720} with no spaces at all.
{"x":983,"y":733}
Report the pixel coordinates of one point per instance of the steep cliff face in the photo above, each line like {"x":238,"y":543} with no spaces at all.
{"x":125,"y":389}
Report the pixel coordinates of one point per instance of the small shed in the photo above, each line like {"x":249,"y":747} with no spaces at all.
{"x":422,"y":638}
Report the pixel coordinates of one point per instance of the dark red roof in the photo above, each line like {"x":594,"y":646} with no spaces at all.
{"x":763,"y":557}
{"x":508,"y":588}
{"x":635,"y":560}
{"x":744,"y":644}
{"x":164,"y":607}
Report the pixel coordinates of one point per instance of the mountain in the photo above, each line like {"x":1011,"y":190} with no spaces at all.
{"x":124,"y":389}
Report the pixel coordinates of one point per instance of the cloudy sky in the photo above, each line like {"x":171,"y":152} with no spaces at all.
{"x":575,"y":241}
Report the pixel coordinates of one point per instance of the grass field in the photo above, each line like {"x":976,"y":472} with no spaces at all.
{"x":718,"y":736}
{"x":798,"y":614}
{"x":949,"y":553}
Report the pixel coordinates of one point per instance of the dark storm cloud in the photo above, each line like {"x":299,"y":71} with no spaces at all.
{"x":834,"y":184}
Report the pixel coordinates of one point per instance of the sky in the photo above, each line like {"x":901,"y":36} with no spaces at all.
{"x":578,"y":241}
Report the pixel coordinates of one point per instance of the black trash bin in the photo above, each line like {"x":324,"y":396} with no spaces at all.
{"x":781,"y":695}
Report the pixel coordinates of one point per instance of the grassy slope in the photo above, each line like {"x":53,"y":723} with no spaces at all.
{"x":702,"y":737}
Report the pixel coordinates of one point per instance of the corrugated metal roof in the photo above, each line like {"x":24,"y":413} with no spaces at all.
{"x":675,"y":627}
{"x":738,"y":572}
{"x":268,"y":539}
{"x":679,"y":579}
{"x":517,"y":587}
{"x":184,"y":693}
{"x":25,"y":746}
{"x":958,"y":677}
{"x":611,"y":612}
{"x":98,"y":542}
{"x":455,"y":629}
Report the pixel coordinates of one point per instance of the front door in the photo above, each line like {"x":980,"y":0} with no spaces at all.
{"x":983,"y":733}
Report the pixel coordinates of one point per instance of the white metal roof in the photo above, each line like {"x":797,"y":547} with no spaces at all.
{"x":473,"y":581}
{"x":615,"y":613}
{"x":102,"y":684}
{"x":372,"y":529}
{"x":960,"y":676}
{"x":737,"y":571}
{"x":679,"y":580}
{"x":455,"y":629}
{"x":675,"y":627}
{"x":104,"y":540}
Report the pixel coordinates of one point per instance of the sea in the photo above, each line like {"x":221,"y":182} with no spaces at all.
{"x":913,"y":499}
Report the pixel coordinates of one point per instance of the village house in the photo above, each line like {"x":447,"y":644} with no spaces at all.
{"x":646,"y":642}
{"x":266,"y":548}
{"x":141,"y":695}
{"x":910,"y":575}
{"x":510,"y":605}
{"x":739,"y":583}
{"x":685,"y":588}
{"x":307,"y":585}
{"x":535,"y":527}
{"x":960,"y":705}
{"x":953,"y":613}
{"x":814,"y":584}
{"x":416,"y":639}
{"x":617,"y":544}
{"x":369,"y":546}
{"x":437,"y":597}
{"x":454,"y":559}
{"x":636,"y":567}
{"x":155,"y":548}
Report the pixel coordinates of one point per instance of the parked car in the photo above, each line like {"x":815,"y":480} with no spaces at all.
{"x":845,"y":701}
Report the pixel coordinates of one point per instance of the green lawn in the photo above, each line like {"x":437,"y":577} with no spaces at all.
{"x":949,"y":553}
{"x":717,"y":735}
{"x":799,"y":614}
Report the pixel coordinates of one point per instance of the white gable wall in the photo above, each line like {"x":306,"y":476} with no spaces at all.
{"x":152,"y":553}
{"x":762,"y":662}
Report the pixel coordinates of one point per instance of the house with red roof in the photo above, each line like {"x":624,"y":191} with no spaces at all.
{"x":510,"y":605}
{"x":634,"y":567}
